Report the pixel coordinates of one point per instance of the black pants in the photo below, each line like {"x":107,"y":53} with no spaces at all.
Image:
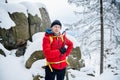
{"x":60,"y":74}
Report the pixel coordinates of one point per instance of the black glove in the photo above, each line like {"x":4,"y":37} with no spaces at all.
{"x":63,"y":50}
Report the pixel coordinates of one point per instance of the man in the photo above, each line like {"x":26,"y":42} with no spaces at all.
{"x":55,"y":51}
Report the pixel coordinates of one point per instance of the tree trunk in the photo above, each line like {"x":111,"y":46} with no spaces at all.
{"x":102,"y":37}
{"x":6,"y":1}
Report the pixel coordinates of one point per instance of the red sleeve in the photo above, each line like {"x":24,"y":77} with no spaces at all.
{"x":47,"y":49}
{"x":69,"y":45}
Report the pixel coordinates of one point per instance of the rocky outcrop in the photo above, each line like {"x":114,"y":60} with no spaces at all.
{"x":25,"y":27}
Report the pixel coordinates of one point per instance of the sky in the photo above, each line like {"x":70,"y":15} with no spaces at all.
{"x":57,"y":9}
{"x":60,"y":9}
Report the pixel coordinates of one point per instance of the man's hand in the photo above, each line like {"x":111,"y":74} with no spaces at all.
{"x":63,"y":50}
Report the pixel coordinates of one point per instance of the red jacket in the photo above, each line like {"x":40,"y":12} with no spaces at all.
{"x":52,"y":53}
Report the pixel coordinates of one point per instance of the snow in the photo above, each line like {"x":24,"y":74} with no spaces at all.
{"x":34,"y":10}
{"x":77,"y":75}
{"x":37,"y":69}
{"x":14,"y":7}
{"x":75,"y":42}
{"x":5,"y":20}
{"x":40,"y":5}
{"x":11,"y":68}
{"x":7,"y":52}
{"x":107,"y":75}
{"x":3,"y":1}
{"x":35,"y":45}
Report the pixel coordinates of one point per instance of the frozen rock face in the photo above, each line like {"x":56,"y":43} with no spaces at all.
{"x":25,"y":27}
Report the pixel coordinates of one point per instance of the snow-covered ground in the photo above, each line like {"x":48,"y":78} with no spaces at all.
{"x":13,"y":68}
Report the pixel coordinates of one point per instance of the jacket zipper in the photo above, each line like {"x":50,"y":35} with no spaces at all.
{"x":59,"y":48}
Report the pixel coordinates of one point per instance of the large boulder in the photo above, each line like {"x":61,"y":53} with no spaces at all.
{"x":37,"y":55}
{"x":75,"y":59}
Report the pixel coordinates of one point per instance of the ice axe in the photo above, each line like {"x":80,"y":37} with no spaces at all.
{"x":64,"y":32}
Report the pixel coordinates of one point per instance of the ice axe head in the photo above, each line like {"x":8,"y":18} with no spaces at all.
{"x":65,"y":31}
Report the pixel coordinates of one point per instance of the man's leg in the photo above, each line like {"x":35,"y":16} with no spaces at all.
{"x":61,"y":74}
{"x":48,"y":74}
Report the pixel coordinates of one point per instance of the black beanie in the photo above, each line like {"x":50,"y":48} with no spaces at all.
{"x":56,"y":22}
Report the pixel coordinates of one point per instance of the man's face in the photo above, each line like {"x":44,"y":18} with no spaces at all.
{"x":56,"y":29}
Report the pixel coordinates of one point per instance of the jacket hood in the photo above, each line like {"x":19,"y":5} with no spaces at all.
{"x":49,"y":32}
